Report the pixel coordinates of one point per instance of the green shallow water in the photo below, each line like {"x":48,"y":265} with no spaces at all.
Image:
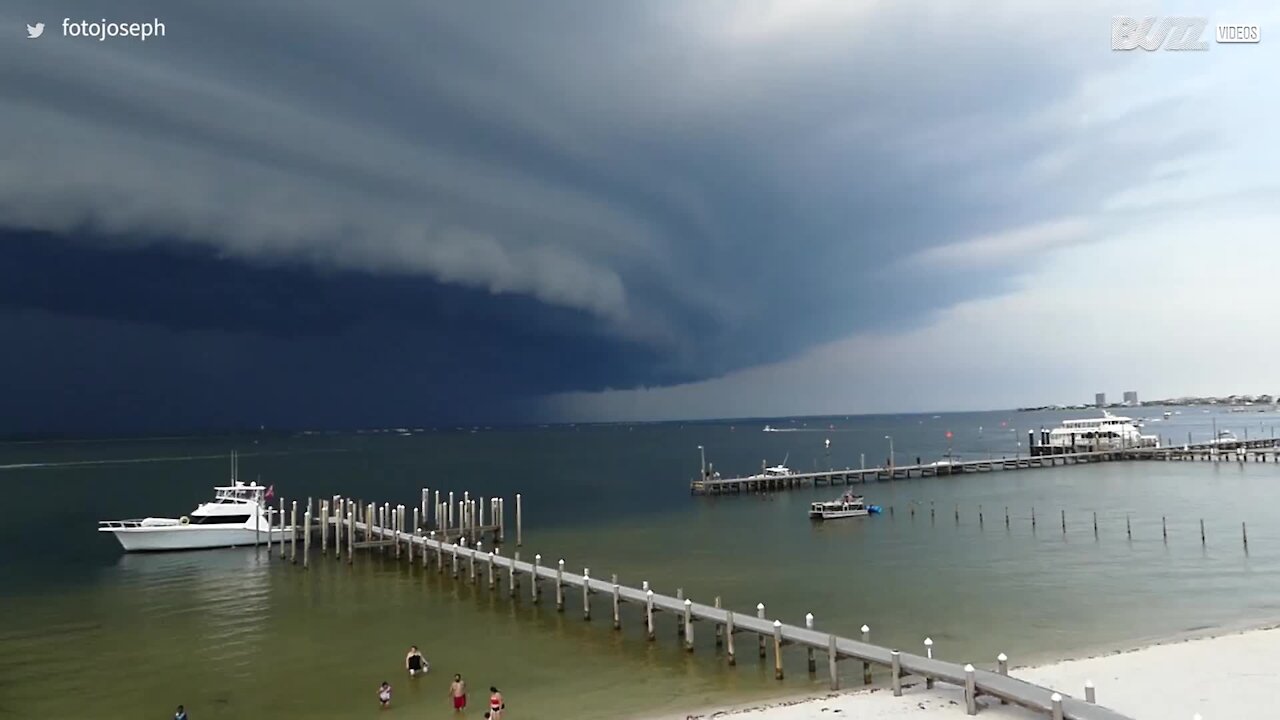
{"x":88,"y":632}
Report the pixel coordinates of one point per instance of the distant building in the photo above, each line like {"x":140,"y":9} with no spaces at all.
{"x":1100,"y":400}
{"x":1131,"y":398}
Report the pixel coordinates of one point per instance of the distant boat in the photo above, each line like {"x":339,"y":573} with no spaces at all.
{"x":849,"y":505}
{"x":770,"y":428}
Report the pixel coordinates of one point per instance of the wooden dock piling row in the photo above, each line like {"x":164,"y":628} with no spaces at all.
{"x":379,"y":527}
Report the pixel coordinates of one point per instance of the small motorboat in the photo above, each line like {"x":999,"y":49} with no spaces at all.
{"x":849,"y":505}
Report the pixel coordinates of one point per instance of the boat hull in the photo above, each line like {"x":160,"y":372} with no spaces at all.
{"x":188,"y":537}
{"x":837,"y":514}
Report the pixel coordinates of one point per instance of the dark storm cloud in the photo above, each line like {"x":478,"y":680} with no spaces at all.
{"x":679,"y":189}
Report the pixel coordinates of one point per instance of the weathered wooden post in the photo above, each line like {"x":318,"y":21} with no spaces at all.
{"x":1055,"y":702}
{"x":808,"y":623}
{"x":617,"y":602}
{"x":895,"y":672}
{"x":306,"y":540}
{"x":777,"y":649}
{"x":928,"y":651}
{"x":831,"y":661}
{"x":866,"y":666}
{"x":688,"y":625}
{"x":586,"y":593}
{"x":560,"y":586}
{"x":293,"y":532}
{"x":719,"y":627}
{"x":519,"y":522}
{"x":533,"y":583}
{"x":970,"y":690}
{"x":1089,"y":694}
{"x":648,"y":614}
{"x":512,"y":585}
{"x":453,"y":550}
{"x":491,"y":579}
{"x":1002,"y":667}
{"x":679,"y":625}
{"x":728,"y":637}
{"x":760,"y":614}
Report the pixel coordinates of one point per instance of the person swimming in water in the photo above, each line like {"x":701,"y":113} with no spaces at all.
{"x":384,"y":694}
{"x":415,"y":663}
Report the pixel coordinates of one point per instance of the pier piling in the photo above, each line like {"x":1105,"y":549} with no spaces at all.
{"x":1064,"y":522}
{"x":688,"y":625}
{"x":1002,"y":667}
{"x":866,"y":666}
{"x":1095,"y":524}
{"x":970,"y":690}
{"x":1055,"y":702}
{"x":760,"y":615}
{"x":1033,"y":518}
{"x":1128,"y":528}
{"x":679,"y":625}
{"x":777,"y":649}
{"x":808,"y":623}
{"x":306,"y":540}
{"x":351,"y":532}
{"x":324,"y":527}
{"x":719,"y":628}
{"x":282,"y":517}
{"x":980,"y":523}
{"x":519,"y":535}
{"x":928,"y":652}
{"x":648,"y":615}
{"x":895,"y":672}
{"x":728,"y":638}
{"x":560,"y":586}
{"x":293,"y":533}
{"x":1201,"y":532}
{"x":1006,"y":517}
{"x":586,"y":593}
{"x":1244,"y":535}
{"x":533,"y":580}
{"x":1164,"y":528}
{"x":1089,"y":695}
{"x":493,"y":583}
{"x":617,"y":599}
{"x":831,"y":661}
{"x":513,"y":585}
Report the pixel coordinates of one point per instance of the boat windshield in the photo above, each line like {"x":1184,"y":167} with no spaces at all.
{"x":239,"y":493}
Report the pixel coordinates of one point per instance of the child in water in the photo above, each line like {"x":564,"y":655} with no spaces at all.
{"x":384,"y":695}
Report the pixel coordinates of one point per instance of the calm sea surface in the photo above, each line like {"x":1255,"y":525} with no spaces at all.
{"x":86,"y":631}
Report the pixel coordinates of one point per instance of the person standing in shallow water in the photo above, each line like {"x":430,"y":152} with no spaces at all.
{"x":496,"y":705}
{"x":458,"y":691}
{"x":181,"y":714}
{"x":414,"y":662}
{"x":384,"y":695}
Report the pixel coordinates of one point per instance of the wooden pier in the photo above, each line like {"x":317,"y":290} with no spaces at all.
{"x":369,"y":525}
{"x":1241,"y":451}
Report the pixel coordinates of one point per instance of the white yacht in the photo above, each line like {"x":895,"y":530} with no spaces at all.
{"x":776,"y":471}
{"x":1109,"y":432}
{"x":237,"y":516}
{"x":1225,"y":438}
{"x":849,"y":505}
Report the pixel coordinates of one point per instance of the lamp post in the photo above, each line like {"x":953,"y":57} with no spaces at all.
{"x":703,"y":453}
{"x":892,"y":460}
{"x":827,"y":444}
{"x":1018,"y":455}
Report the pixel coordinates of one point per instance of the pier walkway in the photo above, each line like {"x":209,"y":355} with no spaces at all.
{"x":477,"y":564}
{"x":1241,"y":451}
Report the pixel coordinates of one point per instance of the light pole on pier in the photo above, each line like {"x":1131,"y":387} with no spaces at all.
{"x":892,"y":460}
{"x":827,"y":444}
{"x":703,"y":453}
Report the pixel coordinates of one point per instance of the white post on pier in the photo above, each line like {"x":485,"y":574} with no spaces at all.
{"x":648,"y":613}
{"x":760,"y":615}
{"x":293,"y":532}
{"x":1055,"y":703}
{"x":866,"y":666}
{"x":413,"y":534}
{"x":777,"y":649}
{"x":895,"y":672}
{"x":586,"y":593}
{"x":324,"y":527}
{"x":560,"y":585}
{"x":448,"y":519}
{"x":474,"y":550}
{"x":533,"y":584}
{"x":808,"y":623}
{"x":519,"y":521}
{"x":617,"y":602}
{"x":970,"y":690}
{"x":511,"y":574}
{"x":425,"y":495}
{"x":1090,"y":696}
{"x":282,"y":516}
{"x":491,"y":580}
{"x":728,"y":637}
{"x":351,"y":532}
{"x":306,"y":540}
{"x":928,"y":651}
{"x":439,"y":552}
{"x":688,"y":625}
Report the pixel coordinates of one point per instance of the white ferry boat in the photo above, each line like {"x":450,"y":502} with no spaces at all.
{"x":236,"y":517}
{"x":849,"y":505}
{"x":1109,"y":432}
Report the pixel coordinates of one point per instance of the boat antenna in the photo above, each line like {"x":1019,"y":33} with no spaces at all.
{"x":785,"y":459}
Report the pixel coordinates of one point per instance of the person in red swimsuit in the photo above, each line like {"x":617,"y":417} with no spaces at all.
{"x":496,"y":706}
{"x":458,"y":691}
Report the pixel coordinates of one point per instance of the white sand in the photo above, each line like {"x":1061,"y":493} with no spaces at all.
{"x":1231,"y":677}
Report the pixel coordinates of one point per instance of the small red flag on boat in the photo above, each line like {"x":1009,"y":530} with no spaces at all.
{"x":948,"y":434}
{"x":271,"y":492}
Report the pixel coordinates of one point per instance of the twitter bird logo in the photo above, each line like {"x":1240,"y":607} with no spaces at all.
{"x":35,"y":31}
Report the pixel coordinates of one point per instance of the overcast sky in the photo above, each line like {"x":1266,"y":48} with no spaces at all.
{"x":338,"y":214}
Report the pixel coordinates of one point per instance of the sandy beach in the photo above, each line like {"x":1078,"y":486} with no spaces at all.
{"x":1227,"y":677}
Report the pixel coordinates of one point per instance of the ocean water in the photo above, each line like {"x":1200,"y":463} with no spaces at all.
{"x":86,"y":631}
